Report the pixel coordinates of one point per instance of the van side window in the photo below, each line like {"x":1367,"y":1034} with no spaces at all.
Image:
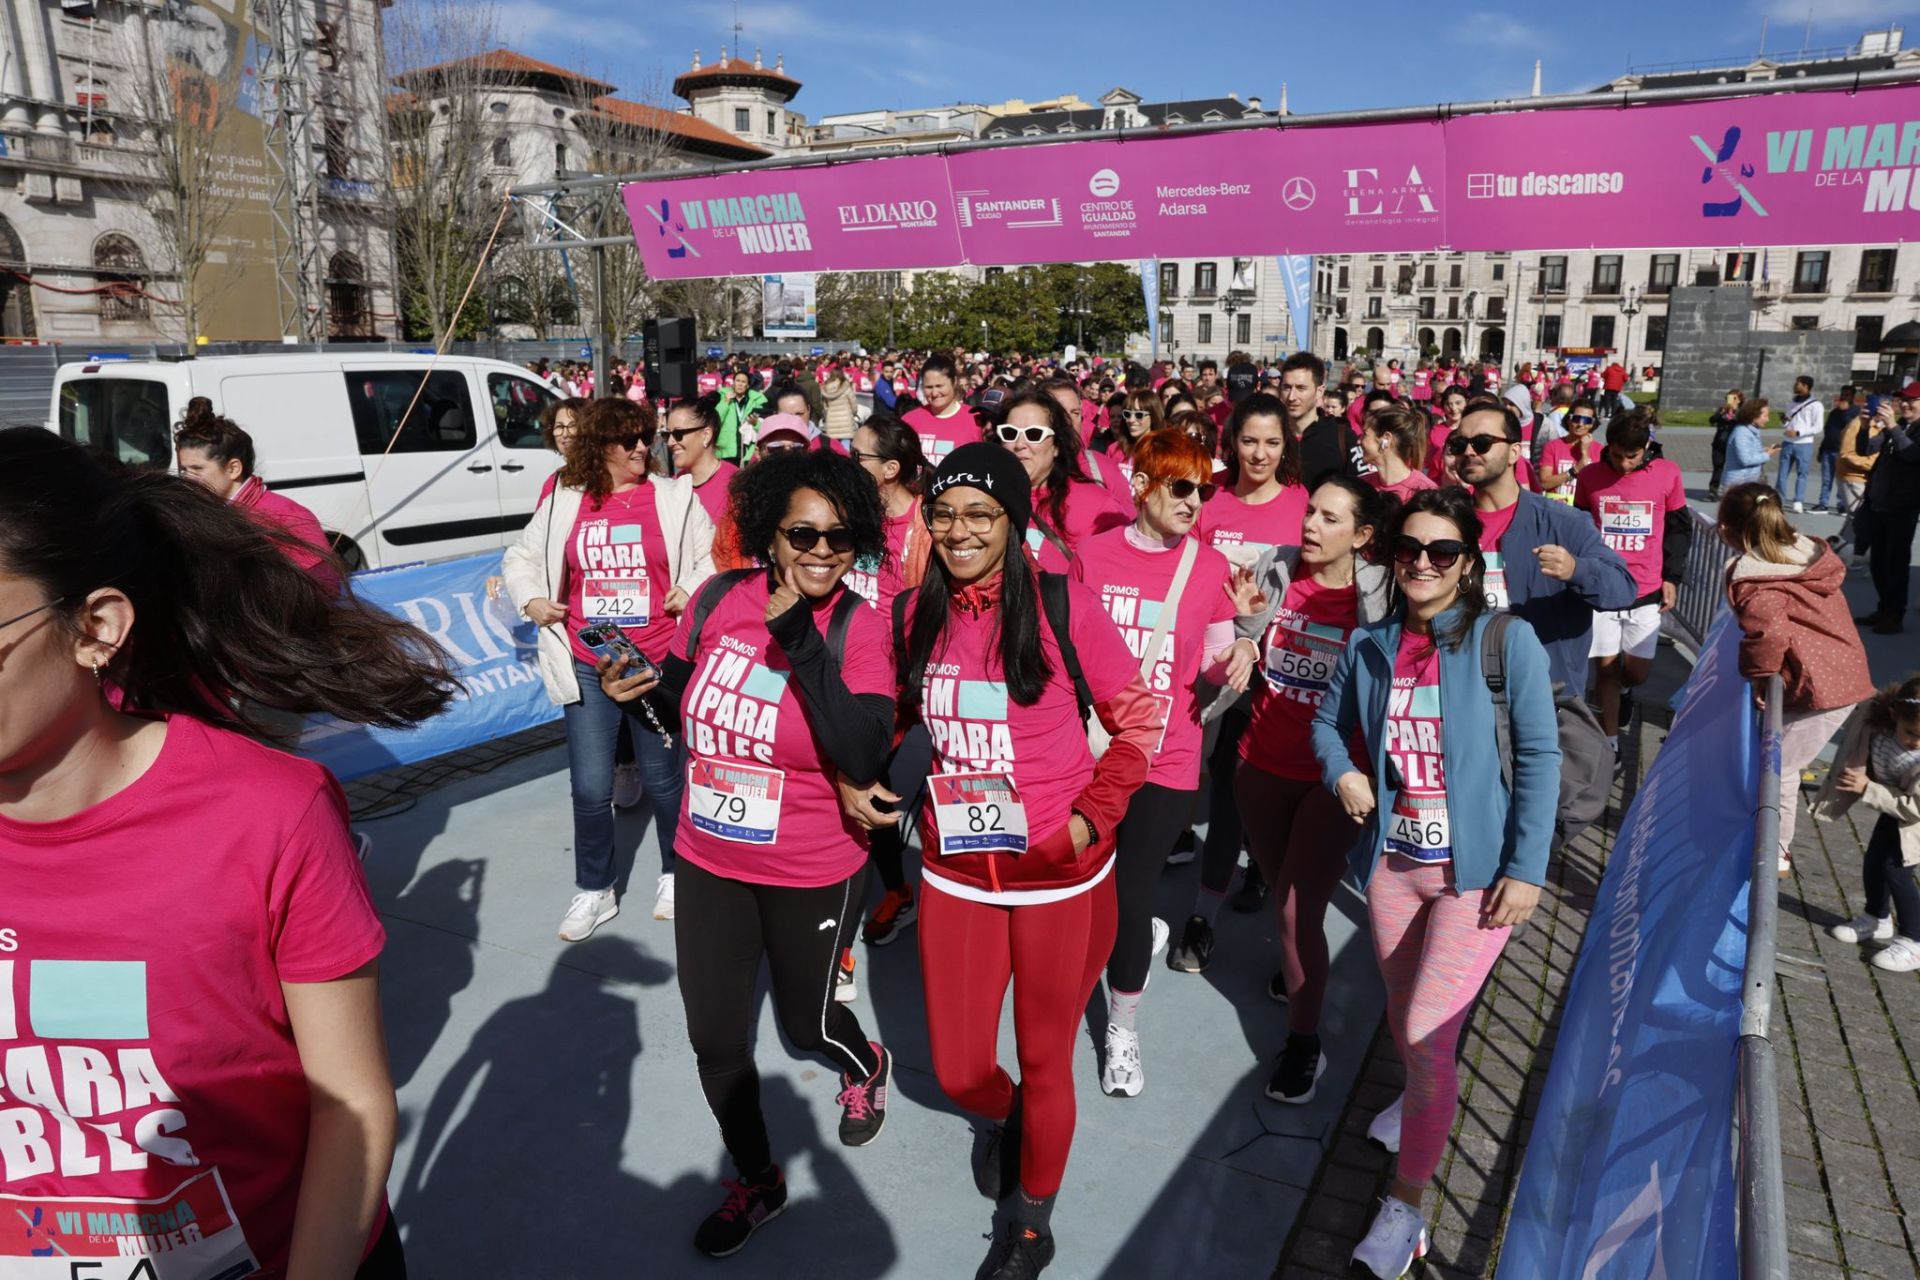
{"x":442,"y":420}
{"x":517,"y":403}
{"x":127,"y":417}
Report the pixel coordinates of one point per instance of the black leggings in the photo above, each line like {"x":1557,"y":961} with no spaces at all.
{"x":1222,"y":852}
{"x":387,"y":1261}
{"x":1889,"y":882}
{"x":721,"y":929}
{"x":1155,"y":817}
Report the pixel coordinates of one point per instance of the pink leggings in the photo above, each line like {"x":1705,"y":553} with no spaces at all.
{"x":1434,"y":957}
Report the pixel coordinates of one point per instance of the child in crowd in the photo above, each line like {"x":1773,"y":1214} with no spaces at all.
{"x":1879,"y":766}
{"x":1785,"y":589}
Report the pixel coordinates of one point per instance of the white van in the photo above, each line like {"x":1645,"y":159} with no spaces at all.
{"x":461,"y":475}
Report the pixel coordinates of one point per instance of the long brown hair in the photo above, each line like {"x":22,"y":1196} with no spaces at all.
{"x":223,"y":618}
{"x":1752,"y":513}
{"x":1896,"y":704}
{"x":602,"y":423}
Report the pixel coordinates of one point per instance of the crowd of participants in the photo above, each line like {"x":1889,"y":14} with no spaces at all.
{"x":1021,"y":610}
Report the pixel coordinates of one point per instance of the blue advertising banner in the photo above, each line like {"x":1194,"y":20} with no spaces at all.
{"x":1630,"y":1168}
{"x":493,"y":654}
{"x":1296,"y":274}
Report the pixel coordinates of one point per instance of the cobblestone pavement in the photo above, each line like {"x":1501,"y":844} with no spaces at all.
{"x":1847,"y":1036}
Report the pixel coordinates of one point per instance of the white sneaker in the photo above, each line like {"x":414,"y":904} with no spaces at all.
{"x":1395,"y":1241}
{"x":1160,"y":935}
{"x":1902,"y":955}
{"x":1865,"y":929}
{"x":1122,"y":1075}
{"x":1799,"y":510}
{"x":1385,"y":1128}
{"x":663,"y":898}
{"x":587,"y":912}
{"x":626,"y":786}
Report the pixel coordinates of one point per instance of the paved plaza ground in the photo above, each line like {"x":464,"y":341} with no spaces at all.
{"x":553,"y":1124}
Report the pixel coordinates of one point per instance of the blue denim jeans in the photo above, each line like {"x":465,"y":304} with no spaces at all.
{"x":1827,"y":461}
{"x":592,"y":725}
{"x":1796,"y":456}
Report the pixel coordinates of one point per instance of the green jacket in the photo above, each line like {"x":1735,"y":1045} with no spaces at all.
{"x":734,"y":413}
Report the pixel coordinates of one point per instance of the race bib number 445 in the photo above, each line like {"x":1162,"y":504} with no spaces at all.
{"x":978,"y":813}
{"x":737,"y":802}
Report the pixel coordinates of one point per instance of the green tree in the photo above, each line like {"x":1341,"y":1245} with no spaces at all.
{"x":853,"y":307}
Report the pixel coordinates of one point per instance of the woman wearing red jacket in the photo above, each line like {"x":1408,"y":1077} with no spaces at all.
{"x":215,"y":452}
{"x":1019,"y":828}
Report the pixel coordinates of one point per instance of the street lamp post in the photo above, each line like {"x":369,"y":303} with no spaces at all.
{"x":1230,"y":304}
{"x":1630,"y":307}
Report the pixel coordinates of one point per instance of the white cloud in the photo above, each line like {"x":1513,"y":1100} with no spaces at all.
{"x":1836,"y":13}
{"x":556,"y":28}
{"x":1498,"y":32}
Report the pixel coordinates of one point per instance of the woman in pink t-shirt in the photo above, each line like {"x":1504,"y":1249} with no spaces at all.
{"x":180,"y":895}
{"x":1135,"y":569}
{"x":1142,"y":413}
{"x":1453,"y":403}
{"x":1068,"y":504}
{"x":781,"y":681}
{"x":215,"y":452}
{"x":1020,"y":822}
{"x":1392,"y":439}
{"x":943,"y":419}
{"x":613,"y":547}
{"x":1309,"y":600}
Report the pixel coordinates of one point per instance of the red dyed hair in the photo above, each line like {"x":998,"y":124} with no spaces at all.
{"x":1171,"y":454}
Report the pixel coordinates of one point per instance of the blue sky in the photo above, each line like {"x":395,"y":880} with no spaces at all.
{"x":857,"y":54}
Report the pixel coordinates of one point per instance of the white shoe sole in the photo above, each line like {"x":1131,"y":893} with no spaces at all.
{"x":1419,"y":1252}
{"x":1319,"y":1070}
{"x":1380,"y":1139}
{"x":663,"y":908}
{"x":597,"y":921}
{"x":1122,"y":1089}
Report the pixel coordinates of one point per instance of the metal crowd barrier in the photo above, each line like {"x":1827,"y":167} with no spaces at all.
{"x":1701,"y":596}
{"x":1763,"y":1199}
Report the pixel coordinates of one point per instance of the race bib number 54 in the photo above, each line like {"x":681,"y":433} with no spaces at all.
{"x":978,"y":813}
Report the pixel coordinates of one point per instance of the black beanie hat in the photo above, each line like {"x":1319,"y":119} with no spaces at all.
{"x":992,"y":470}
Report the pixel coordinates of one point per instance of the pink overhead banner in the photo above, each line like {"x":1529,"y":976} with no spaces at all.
{"x":1785,"y":169}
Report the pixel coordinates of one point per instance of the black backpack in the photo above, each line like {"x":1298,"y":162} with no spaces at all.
{"x":711,"y":591}
{"x":1586,"y":761}
{"x":1053,"y":602}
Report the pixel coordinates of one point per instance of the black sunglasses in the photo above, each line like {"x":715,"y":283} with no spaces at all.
{"x":1442,"y":553}
{"x":1458,"y":445}
{"x":804,"y":538}
{"x":684,"y":432}
{"x":1184,"y":489}
{"x":1580,"y":417}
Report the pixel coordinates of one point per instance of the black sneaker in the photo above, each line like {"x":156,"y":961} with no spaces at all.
{"x":1018,"y":1255}
{"x":749,"y":1206}
{"x":996,"y":1165}
{"x":1277,"y":987}
{"x":1185,"y":849}
{"x":863,"y":1103}
{"x":1252,"y":891}
{"x":1195,"y":951}
{"x":1301,"y":1066}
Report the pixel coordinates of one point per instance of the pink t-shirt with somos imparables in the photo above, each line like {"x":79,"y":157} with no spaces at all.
{"x":1241,"y":531}
{"x":760,"y":802}
{"x":1091,"y":509}
{"x":151,"y":1068}
{"x":1134,"y":584}
{"x":941,"y":436}
{"x":1418,"y":826}
{"x":617,"y":571}
{"x":713,"y":492}
{"x":1631,"y":511}
{"x":977,"y":726}
{"x":1297,"y":657}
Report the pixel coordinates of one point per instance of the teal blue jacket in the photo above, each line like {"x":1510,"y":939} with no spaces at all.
{"x":1496,"y":832}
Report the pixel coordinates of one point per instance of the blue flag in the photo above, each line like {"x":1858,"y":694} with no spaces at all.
{"x":1296,"y":274}
{"x":1630,"y":1168}
{"x":1150,"y":290}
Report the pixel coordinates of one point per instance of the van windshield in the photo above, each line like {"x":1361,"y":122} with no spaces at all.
{"x":125,"y":416}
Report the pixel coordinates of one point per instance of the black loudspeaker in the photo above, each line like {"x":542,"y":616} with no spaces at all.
{"x":669,"y":356}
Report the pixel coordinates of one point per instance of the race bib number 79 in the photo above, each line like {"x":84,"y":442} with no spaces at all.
{"x":737,"y":802}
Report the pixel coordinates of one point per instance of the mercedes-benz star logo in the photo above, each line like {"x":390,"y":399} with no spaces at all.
{"x":1297,"y":194}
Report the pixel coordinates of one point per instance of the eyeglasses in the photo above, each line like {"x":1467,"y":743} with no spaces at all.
{"x":804,"y":538}
{"x":1009,"y":433}
{"x":1458,"y":445}
{"x":973,"y":519}
{"x":1441,"y":553}
{"x":783,"y":446}
{"x":858,"y":456}
{"x":1356,"y":386}
{"x":1136,"y":413}
{"x":22,"y":617}
{"x":628,"y":442}
{"x":684,"y":432}
{"x":1183,"y":489}
{"x":1581,"y":417}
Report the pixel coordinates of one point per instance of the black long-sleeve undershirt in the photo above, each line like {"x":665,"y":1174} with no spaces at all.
{"x":855,"y":730}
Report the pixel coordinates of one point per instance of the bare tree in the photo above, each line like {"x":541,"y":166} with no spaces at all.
{"x":182,"y":87}
{"x":444,"y":207}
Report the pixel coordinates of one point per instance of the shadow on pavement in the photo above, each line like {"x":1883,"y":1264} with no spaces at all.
{"x":437,"y":960}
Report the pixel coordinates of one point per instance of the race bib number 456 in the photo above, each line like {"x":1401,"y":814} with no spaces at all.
{"x":978,"y":813}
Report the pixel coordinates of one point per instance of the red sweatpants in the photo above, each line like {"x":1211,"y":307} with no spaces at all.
{"x":1053,"y":953}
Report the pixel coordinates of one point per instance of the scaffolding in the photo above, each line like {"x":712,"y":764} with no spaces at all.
{"x":284,"y":45}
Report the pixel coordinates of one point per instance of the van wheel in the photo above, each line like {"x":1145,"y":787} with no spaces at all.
{"x":349,"y":551}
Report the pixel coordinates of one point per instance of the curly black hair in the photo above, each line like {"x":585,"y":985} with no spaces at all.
{"x":760,"y":494}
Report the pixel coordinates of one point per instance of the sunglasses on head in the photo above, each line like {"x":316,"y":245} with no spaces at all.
{"x":1009,"y":433}
{"x":1441,"y":553}
{"x":1183,"y":489}
{"x":804,"y":538}
{"x":1458,"y":445}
